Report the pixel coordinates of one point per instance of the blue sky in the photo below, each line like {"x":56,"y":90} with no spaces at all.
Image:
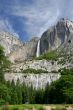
{"x":30,"y":18}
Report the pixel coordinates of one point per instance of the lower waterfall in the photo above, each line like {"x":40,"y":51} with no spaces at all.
{"x":38,"y":49}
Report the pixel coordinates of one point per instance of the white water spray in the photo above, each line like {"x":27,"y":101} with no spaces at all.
{"x":38,"y":49}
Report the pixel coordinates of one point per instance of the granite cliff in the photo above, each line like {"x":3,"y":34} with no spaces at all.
{"x":15,"y":49}
{"x":58,"y":38}
{"x":25,"y":52}
{"x":9,"y":42}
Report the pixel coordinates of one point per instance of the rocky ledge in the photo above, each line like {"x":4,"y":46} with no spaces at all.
{"x":36,"y":80}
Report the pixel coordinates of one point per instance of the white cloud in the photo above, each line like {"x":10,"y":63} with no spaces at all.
{"x":6,"y":26}
{"x":40,"y":14}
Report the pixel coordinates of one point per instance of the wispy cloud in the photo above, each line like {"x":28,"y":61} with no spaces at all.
{"x":39,"y":16}
{"x":6,"y":26}
{"x":36,"y":16}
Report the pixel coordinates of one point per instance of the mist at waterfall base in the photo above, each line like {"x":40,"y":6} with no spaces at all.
{"x":38,"y":49}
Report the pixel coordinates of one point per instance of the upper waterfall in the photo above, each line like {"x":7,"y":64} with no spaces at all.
{"x":38,"y":49}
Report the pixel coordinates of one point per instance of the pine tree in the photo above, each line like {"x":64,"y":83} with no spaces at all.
{"x":14,"y":98}
{"x":46,"y":94}
{"x":24,"y":94}
{"x":4,"y":64}
{"x":19,"y":92}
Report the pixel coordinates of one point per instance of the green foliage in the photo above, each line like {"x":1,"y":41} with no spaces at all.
{"x":60,"y":91}
{"x":49,"y":56}
{"x":19,"y":92}
{"x":2,"y":102}
{"x":25,"y":93}
{"x":46,"y":94}
{"x":34,"y":71}
{"x":14,"y":98}
{"x":54,"y":71}
{"x":5,"y":107}
{"x":39,"y":96}
{"x":4,"y":93}
{"x":15,"y":109}
{"x":41,"y":108}
{"x":62,"y":88}
{"x":67,"y":71}
{"x":4,"y":64}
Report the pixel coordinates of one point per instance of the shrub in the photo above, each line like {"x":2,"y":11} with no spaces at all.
{"x":49,"y":56}
{"x":31,"y":70}
{"x":5,"y":107}
{"x":41,"y":108}
{"x":15,"y":108}
{"x":2,"y":102}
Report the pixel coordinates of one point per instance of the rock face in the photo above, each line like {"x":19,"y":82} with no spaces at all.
{"x":56,"y":36}
{"x":37,"y":80}
{"x":37,"y":64}
{"x":9,"y":42}
{"x":27,"y":51}
{"x":17,"y":50}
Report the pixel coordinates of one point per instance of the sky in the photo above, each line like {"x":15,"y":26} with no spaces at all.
{"x":30,"y":18}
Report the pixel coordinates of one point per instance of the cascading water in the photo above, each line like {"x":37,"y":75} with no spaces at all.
{"x":38,"y":49}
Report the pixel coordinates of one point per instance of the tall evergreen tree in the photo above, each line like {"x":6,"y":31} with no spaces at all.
{"x":14,"y":98}
{"x":19,"y":92}
{"x":46,"y":94}
{"x":24,"y":93}
{"x":4,"y":64}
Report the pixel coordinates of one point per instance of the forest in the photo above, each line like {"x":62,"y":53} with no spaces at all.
{"x":59,"y":92}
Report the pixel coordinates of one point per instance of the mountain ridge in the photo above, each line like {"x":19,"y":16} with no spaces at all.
{"x":55,"y":57}
{"x":55,"y":36}
{"x":52,"y":39}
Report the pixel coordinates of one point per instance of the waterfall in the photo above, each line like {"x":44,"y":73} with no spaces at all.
{"x":38,"y":49}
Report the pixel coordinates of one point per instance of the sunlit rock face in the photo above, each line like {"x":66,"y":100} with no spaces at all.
{"x":15,"y":49}
{"x":27,"y":51}
{"x":56,"y":36}
{"x":36,"y":80}
{"x":9,"y":42}
{"x":37,"y":64}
